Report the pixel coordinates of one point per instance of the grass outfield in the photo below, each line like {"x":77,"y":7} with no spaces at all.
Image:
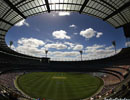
{"x":59,"y":85}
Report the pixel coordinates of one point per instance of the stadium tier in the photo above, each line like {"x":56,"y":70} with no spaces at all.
{"x":114,"y":70}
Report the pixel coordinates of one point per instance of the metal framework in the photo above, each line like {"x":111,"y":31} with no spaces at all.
{"x":118,"y":11}
{"x":6,"y":21}
{"x":3,"y":30}
{"x":115,"y":12}
{"x":14,"y":8}
{"x":83,"y":6}
{"x":47,"y":5}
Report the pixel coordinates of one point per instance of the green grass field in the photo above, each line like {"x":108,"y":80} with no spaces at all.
{"x":59,"y":85}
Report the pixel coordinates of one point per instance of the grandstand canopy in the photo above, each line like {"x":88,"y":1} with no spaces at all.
{"x":115,"y":12}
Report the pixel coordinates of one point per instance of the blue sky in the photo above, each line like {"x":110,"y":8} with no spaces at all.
{"x":64,"y":34}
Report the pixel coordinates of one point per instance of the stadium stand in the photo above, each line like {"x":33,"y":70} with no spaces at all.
{"x":115,"y":73}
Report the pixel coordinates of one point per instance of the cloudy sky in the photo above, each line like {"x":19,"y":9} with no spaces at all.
{"x":64,"y":34}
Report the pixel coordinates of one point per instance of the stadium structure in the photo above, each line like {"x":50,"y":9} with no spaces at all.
{"x":115,"y":69}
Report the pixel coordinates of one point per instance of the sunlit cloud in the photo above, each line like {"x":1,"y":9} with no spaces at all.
{"x":30,"y":46}
{"x":60,"y":13}
{"x":75,"y":33}
{"x":57,"y":46}
{"x":127,"y":44}
{"x":30,"y":42}
{"x":64,"y":13}
{"x":70,"y":45}
{"x":21,"y":23}
{"x":64,"y":54}
{"x":61,"y":34}
{"x":99,"y":34}
{"x":73,"y":26}
{"x":99,"y":51}
{"x":90,"y":33}
{"x":36,"y":47}
{"x":78,"y":47}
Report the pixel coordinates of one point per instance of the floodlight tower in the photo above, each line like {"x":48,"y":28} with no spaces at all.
{"x":46,"y":51}
{"x":11,"y":43}
{"x":81,"y":52}
{"x":114,"y":44}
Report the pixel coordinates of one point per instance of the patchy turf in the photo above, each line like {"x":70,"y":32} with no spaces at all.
{"x":59,"y":85}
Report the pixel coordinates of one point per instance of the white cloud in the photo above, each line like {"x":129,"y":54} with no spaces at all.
{"x":21,"y":23}
{"x":12,"y":47}
{"x":61,"y":34}
{"x":36,"y":47}
{"x":73,"y":26}
{"x":99,"y":34}
{"x":31,"y":46}
{"x":78,"y":47}
{"x":73,"y":53}
{"x":108,"y":48}
{"x":74,"y":46}
{"x":127,"y":44}
{"x":88,"y":33}
{"x":64,"y":54}
{"x":71,"y":45}
{"x":30,"y":50}
{"x":95,"y":47}
{"x":75,"y":33}
{"x":98,"y":51}
{"x":63,"y":13}
{"x":30,"y":42}
{"x":57,"y":46}
{"x":47,"y":40}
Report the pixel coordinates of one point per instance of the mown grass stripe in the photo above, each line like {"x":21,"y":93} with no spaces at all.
{"x":73,"y":87}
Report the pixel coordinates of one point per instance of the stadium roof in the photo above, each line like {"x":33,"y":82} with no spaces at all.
{"x":115,"y":12}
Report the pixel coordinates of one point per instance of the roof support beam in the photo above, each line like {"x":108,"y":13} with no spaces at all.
{"x":21,"y":2}
{"x":108,"y":4}
{"x":83,"y":6}
{"x":47,"y":5}
{"x":3,"y":30}
{"x":14,"y":8}
{"x":2,"y":39}
{"x":117,"y":11}
{"x":122,"y":25}
{"x":2,"y":34}
{"x":6,"y":21}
